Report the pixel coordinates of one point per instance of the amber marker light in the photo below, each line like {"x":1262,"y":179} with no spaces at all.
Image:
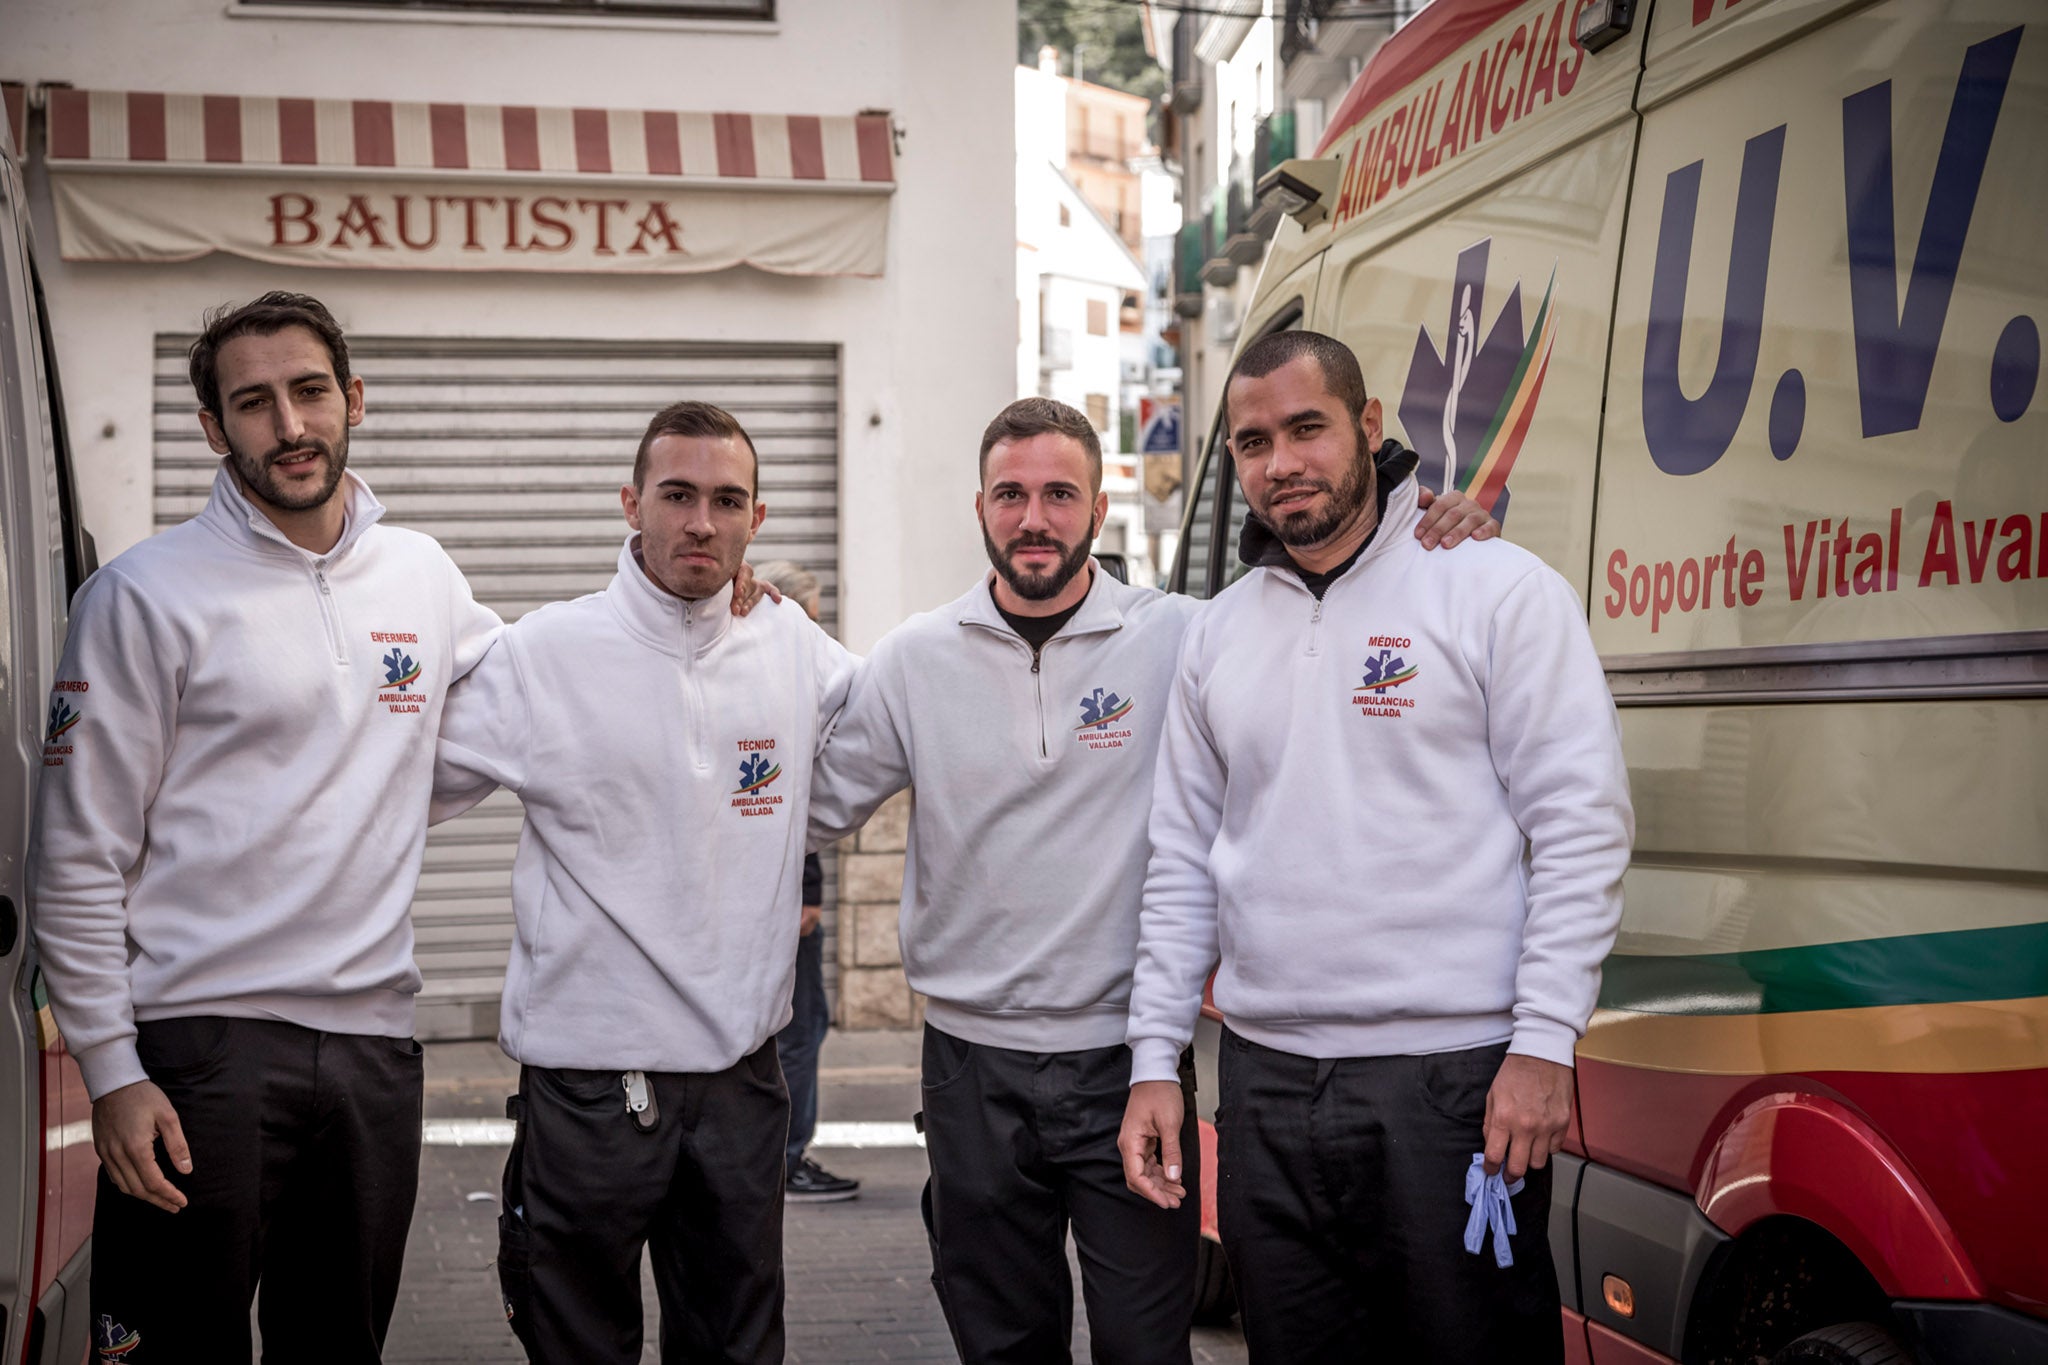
{"x":1620,"y":1297}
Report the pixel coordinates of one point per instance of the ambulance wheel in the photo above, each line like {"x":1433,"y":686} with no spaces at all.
{"x":1848,"y":1343}
{"x":1215,"y":1296}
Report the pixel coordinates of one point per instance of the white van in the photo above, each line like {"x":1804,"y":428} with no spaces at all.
{"x":1731,"y":310}
{"x":47,"y":1166}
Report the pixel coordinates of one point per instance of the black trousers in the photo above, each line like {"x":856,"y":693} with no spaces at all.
{"x":1341,"y":1201}
{"x":1023,"y":1145}
{"x":305,"y":1160}
{"x":587,"y":1186}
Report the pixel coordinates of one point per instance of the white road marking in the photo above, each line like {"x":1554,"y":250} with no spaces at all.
{"x":867,"y":1135}
{"x":498,"y":1133}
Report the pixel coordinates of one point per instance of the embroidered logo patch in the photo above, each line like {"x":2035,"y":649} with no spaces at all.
{"x":64,"y":718}
{"x":1101,"y":711}
{"x":758,"y":772}
{"x":400,"y":690}
{"x":115,"y":1341}
{"x":1386,"y":669}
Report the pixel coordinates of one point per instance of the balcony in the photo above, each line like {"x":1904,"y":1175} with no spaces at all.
{"x":1242,"y":243}
{"x":1219,"y":267}
{"x":1272,"y":143}
{"x":1188,"y":254}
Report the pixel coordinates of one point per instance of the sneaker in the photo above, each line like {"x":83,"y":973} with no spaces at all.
{"x":811,"y":1183}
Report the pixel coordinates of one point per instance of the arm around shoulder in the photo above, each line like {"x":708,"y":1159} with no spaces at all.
{"x":486,"y":732}
{"x":865,"y":759}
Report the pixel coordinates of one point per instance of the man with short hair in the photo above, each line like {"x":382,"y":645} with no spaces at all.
{"x":1392,"y":814}
{"x":662,"y":748}
{"x":228,"y":835}
{"x":1027,"y":715}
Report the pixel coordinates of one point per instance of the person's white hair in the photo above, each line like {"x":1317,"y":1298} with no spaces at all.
{"x":792,"y":580}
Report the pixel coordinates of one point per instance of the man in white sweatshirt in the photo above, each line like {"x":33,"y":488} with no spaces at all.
{"x":227,"y":837}
{"x":1027,"y":715}
{"x":1392,"y":813}
{"x":663,"y":751}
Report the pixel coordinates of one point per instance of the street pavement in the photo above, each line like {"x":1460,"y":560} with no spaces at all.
{"x":859,"y":1272}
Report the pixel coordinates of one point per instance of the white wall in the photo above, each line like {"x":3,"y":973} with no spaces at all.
{"x":927,"y":349}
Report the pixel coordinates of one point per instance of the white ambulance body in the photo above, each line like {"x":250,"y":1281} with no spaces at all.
{"x":1736,"y":322}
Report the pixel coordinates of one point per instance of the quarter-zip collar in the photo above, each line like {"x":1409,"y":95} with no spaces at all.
{"x":661,"y":619}
{"x":230,"y":513}
{"x":1099,"y":611}
{"x":1398,"y":506}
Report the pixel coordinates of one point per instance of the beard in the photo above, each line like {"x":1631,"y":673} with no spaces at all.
{"x":259,"y":473}
{"x":1037,"y":587}
{"x":1305,"y":528}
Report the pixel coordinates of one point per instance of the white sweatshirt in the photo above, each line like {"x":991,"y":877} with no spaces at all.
{"x":1397,"y":817}
{"x":235,"y":780}
{"x":663,"y":751}
{"x":1027,"y":838}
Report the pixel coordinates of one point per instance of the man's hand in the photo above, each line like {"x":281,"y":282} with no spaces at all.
{"x":1150,"y":1142}
{"x":1448,"y":518}
{"x":1527,"y":1112}
{"x":747,"y":590}
{"x":125,"y":1126}
{"x":808,"y":925}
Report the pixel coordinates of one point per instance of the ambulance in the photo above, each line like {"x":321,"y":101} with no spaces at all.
{"x":47,"y":1165}
{"x":1731,"y":311}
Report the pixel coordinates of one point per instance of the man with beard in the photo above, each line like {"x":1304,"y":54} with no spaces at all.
{"x":1392,"y":815}
{"x":228,"y":834}
{"x":1027,"y":715}
{"x":662,"y":749}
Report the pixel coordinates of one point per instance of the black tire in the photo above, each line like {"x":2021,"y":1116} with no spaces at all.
{"x":1847,"y":1343}
{"x":1215,"y":1295}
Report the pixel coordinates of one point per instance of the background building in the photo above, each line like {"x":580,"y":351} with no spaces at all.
{"x":1253,"y":83}
{"x":1080,"y":284}
{"x":538,"y":228}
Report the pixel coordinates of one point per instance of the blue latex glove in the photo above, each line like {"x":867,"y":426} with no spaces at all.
{"x":1488,"y":1195}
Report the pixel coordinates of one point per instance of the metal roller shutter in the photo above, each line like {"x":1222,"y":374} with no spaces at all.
{"x":511,"y":453}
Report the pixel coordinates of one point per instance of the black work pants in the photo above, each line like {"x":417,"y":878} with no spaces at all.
{"x":1022,"y":1145}
{"x":587,"y":1185}
{"x":305,"y":1160}
{"x":1341,"y":1201}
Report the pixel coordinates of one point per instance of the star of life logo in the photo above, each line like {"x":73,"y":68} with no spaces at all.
{"x":1385,"y":672}
{"x":400,"y":690}
{"x":64,"y":718}
{"x":1102,"y":712}
{"x":114,"y":1341}
{"x":758,"y":772}
{"x":1467,"y":407}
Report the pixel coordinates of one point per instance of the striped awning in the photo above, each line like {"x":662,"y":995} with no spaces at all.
{"x":216,"y":132}
{"x":424,"y":185}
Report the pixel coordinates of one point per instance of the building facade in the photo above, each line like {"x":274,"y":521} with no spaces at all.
{"x":1253,"y":84}
{"x":537,"y":229}
{"x":1080,"y":283}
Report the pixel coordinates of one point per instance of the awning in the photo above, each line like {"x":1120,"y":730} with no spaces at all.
{"x":377,"y":184}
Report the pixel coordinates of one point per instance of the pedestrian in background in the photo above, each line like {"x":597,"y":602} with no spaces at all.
{"x":1392,"y":816}
{"x":810,"y":1013}
{"x":228,"y":834}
